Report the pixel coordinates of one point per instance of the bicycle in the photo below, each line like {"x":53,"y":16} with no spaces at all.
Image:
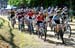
{"x":67,"y":30}
{"x":42,"y":31}
{"x":59,"y":32}
{"x":62,"y":31}
{"x":67,"y":27}
{"x":21,"y":24}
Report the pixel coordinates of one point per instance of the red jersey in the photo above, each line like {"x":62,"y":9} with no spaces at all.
{"x":40,"y":18}
{"x":30,"y":14}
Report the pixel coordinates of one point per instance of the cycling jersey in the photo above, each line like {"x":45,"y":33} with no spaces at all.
{"x":19,"y":16}
{"x":12,"y":14}
{"x":56,"y":19}
{"x":40,"y":18}
{"x":30,"y":14}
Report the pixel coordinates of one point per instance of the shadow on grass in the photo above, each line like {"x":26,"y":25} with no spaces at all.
{"x":68,"y":42}
{"x":53,"y":42}
{"x":2,"y":20}
{"x":73,"y":21}
{"x":73,"y":29}
{"x":1,"y":24}
{"x":11,"y":38}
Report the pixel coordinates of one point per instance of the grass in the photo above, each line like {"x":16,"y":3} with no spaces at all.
{"x":12,"y":38}
{"x":1,"y":22}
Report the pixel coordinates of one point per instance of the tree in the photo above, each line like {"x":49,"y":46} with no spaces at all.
{"x":17,"y":2}
{"x":12,"y":2}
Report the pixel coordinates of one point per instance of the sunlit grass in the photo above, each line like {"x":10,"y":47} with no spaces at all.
{"x":20,"y":39}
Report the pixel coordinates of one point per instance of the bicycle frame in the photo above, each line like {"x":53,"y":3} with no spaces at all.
{"x":41,"y":29}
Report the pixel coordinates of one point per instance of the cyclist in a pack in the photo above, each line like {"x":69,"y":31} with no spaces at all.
{"x":30,"y":25}
{"x":57,"y":28}
{"x":30,"y":14}
{"x":40,"y":19}
{"x":56,"y":19}
{"x":12,"y":12}
{"x":20,"y":15}
{"x":12,"y":17}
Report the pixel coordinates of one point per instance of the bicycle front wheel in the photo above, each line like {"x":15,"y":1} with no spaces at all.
{"x":67,"y":32}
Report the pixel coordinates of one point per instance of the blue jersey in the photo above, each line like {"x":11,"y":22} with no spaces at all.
{"x":55,"y":17}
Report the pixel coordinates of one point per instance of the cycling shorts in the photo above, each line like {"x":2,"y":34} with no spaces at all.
{"x":57,"y":21}
{"x":38,"y":22}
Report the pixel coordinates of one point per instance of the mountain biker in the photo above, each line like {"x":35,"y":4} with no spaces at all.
{"x":50,"y":17}
{"x":30,"y":18}
{"x":20,"y":16}
{"x":12,"y":17}
{"x":40,"y":19}
{"x":56,"y":18}
{"x":12,"y":12}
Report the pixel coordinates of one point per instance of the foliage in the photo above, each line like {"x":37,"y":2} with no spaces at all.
{"x":45,"y":3}
{"x":12,"y":2}
{"x":17,"y":2}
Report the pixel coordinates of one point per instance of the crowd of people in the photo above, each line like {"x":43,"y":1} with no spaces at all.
{"x":32,"y":17}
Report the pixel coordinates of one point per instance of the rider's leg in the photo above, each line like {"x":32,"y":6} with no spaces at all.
{"x":19,"y":25}
{"x":32,"y":29}
{"x":36,"y":29}
{"x":22,"y":27}
{"x":45,"y":31}
{"x":29,"y":28}
{"x":61,"y":36}
{"x":12,"y":23}
{"x":57,"y":27}
{"x":39,"y":28}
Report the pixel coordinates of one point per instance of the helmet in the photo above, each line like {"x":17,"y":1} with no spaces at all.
{"x":58,"y":11}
